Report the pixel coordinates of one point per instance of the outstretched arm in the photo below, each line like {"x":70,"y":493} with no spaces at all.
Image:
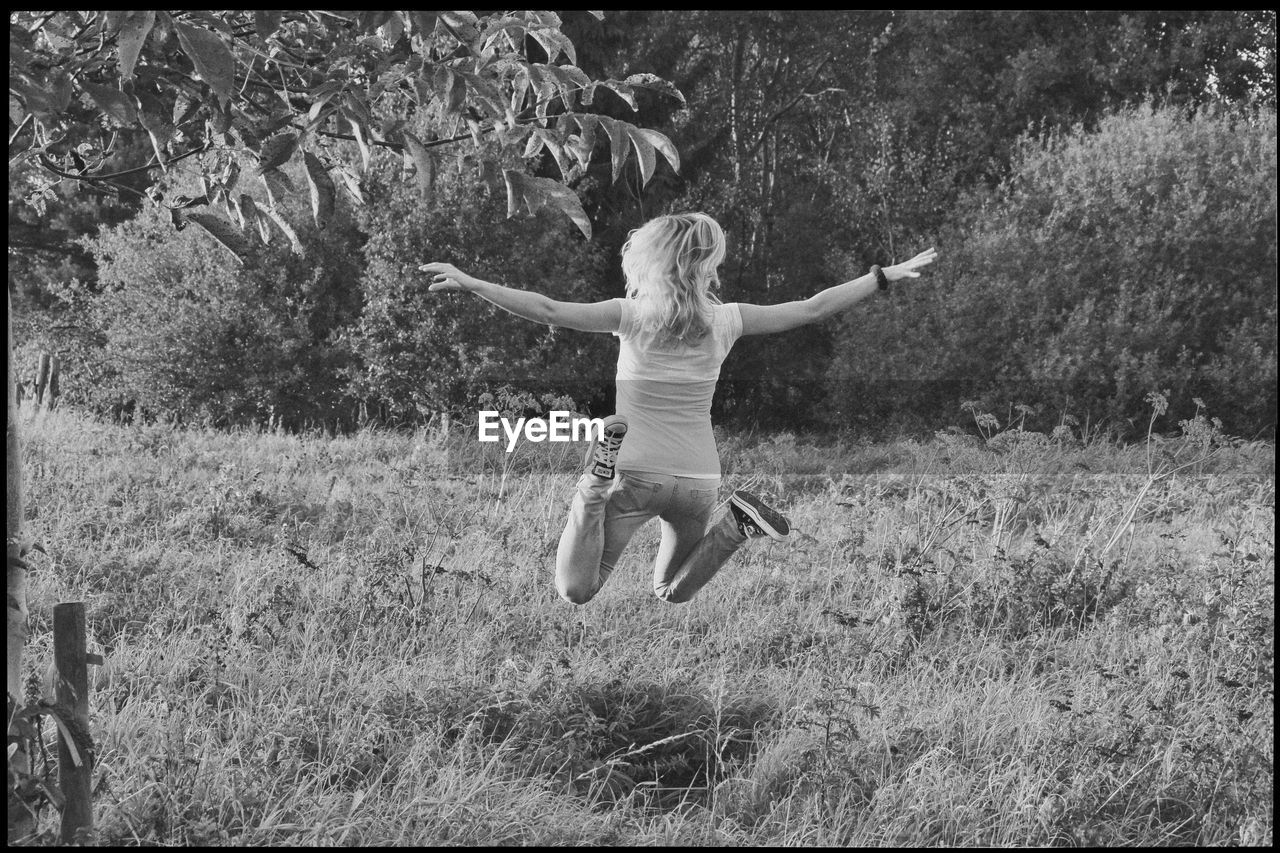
{"x":583,"y":316}
{"x":767,"y":319}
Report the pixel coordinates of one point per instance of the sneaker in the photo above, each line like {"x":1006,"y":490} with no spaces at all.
{"x":604,"y":453}
{"x":756,"y":518}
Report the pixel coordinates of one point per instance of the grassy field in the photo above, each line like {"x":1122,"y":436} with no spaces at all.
{"x":356,"y":640}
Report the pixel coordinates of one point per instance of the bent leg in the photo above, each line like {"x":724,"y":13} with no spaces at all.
{"x":603,"y":517}
{"x":691,"y":553}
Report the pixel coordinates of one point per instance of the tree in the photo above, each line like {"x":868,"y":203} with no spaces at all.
{"x":239,"y":92}
{"x":1135,"y":258}
{"x":420,"y":353}
{"x":827,"y":141}
{"x":186,"y":337}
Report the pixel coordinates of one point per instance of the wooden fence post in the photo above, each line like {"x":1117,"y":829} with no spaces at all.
{"x":54,"y":389}
{"x":75,"y":771}
{"x":42,"y":378}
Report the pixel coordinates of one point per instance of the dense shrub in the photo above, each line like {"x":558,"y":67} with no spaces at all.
{"x":192,"y":335}
{"x":1110,"y":264}
{"x":423,"y":352}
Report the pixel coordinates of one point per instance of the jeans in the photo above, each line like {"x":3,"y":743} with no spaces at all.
{"x":605,"y":514}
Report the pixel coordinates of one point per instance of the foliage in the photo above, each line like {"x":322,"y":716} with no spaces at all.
{"x":823,"y":141}
{"x":251,"y":91}
{"x":1112,"y":263}
{"x":985,"y":76}
{"x":188,"y":337}
{"x":424,"y":352}
{"x":828,"y":140}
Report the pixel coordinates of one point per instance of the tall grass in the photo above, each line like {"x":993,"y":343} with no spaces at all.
{"x":1017,"y":641}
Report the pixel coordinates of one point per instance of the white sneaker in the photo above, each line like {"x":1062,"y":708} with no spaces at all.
{"x":604,"y":454}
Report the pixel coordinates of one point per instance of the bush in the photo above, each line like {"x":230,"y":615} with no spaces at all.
{"x":1109,"y":264}
{"x":191,"y":335}
{"x":424,"y":352}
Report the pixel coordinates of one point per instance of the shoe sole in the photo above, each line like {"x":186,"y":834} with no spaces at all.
{"x":772,"y":522}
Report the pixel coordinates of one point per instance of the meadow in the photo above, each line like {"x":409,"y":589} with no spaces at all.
{"x":999,"y":639}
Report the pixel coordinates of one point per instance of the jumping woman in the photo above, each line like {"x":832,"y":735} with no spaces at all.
{"x":674,"y":333}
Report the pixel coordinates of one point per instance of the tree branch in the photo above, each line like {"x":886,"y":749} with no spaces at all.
{"x":49,"y":165}
{"x":26,"y":121}
{"x":784,"y":109}
{"x":126,"y":172}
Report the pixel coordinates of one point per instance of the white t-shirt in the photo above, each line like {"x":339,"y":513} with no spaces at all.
{"x":665,"y":390}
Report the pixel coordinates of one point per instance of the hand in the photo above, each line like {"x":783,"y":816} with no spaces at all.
{"x":447,"y":277}
{"x":911,"y":268}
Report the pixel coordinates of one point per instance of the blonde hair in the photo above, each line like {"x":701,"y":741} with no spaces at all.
{"x":670,"y":264}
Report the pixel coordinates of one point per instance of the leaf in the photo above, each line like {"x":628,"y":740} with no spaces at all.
{"x":515,"y":28}
{"x":284,"y":226}
{"x":534,"y":193}
{"x":555,"y":145}
{"x":369,"y":20}
{"x":554,"y":43}
{"x":69,"y":740}
{"x":622,"y":90}
{"x":230,"y":175}
{"x":663,"y":144}
{"x":276,"y":151}
{"x":584,"y":144}
{"x":357,"y":130}
{"x":211,"y":56}
{"x":159,"y":134}
{"x":476,"y":132}
{"x":322,"y":190}
{"x":461,"y":23}
{"x":134,"y":29}
{"x":113,"y":103}
{"x":182,"y":202}
{"x":59,"y":85}
{"x":570,"y":79}
{"x":278,"y":185}
{"x":644,"y":154}
{"x":599,"y":16}
{"x":316,"y":115}
{"x":248,"y":211}
{"x":264,"y":227}
{"x":352,"y":182}
{"x":544,"y":17}
{"x":391,"y":29}
{"x":654,"y":83}
{"x":266,"y":23}
{"x":454,"y":87}
{"x":424,"y":165}
{"x":111,"y":21}
{"x":220,"y":116}
{"x":423,"y":22}
{"x":183,"y":107}
{"x":619,"y":139}
{"x":532,"y":147}
{"x":222,"y":231}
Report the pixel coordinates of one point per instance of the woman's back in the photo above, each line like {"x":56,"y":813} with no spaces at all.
{"x":665,"y":389}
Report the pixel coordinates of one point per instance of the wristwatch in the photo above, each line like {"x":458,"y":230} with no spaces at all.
{"x":882,"y":280}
